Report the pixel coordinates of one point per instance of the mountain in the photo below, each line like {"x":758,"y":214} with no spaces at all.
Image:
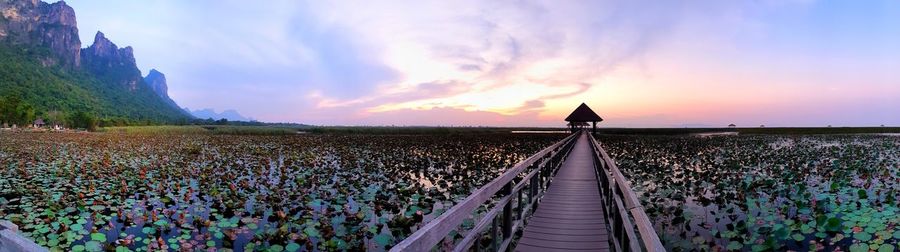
{"x":228,"y":114}
{"x":107,"y":61}
{"x":43,"y":65}
{"x":39,"y":24}
{"x":157,"y":83}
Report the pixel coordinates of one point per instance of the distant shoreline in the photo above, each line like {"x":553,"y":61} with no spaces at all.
{"x":294,"y":130}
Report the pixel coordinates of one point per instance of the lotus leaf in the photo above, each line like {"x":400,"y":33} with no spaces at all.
{"x":311,"y":232}
{"x":92,"y":246}
{"x":736,"y":189}
{"x":382,"y":239}
{"x":276,"y":248}
{"x":862,"y":236}
{"x":798,"y":237}
{"x":734,"y":246}
{"x":292,"y":247}
{"x":833,"y":225}
{"x":100,"y":237}
{"x":859,"y":247}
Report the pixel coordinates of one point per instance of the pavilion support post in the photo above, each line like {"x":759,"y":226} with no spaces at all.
{"x":594,"y":131}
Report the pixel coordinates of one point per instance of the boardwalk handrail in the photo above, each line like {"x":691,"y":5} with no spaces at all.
{"x":511,"y":192}
{"x":622,"y":208}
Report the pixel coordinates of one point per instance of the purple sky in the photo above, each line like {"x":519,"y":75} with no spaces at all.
{"x":519,"y":63}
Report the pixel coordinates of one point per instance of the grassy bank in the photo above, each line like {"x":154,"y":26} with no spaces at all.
{"x":768,"y":131}
{"x":203,"y":129}
{"x":281,"y":130}
{"x":417,"y":130}
{"x":285,"y":130}
{"x":830,"y":130}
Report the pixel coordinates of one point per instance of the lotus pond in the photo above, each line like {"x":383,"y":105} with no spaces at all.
{"x":766,"y":192}
{"x":141,"y":192}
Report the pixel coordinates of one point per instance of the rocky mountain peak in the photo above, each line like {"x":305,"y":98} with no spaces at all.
{"x":102,"y":47}
{"x":157,"y":82}
{"x":153,"y":72}
{"x":36,"y":23}
{"x":61,"y":14}
{"x":40,"y":34}
{"x":106,"y":52}
{"x":104,"y":58}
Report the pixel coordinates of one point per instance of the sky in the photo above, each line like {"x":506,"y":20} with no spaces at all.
{"x":637,"y":63}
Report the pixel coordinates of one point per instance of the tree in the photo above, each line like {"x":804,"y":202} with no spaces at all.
{"x":24,"y":114}
{"x":55,"y":117}
{"x":14,"y":111}
{"x":83,"y":120}
{"x":8,"y":106}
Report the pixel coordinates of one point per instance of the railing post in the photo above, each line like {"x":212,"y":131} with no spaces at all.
{"x":531,"y":191}
{"x":535,"y":183}
{"x":544,"y":168}
{"x":494,"y":244}
{"x":477,"y":245}
{"x":432,"y":233}
{"x":620,"y":228}
{"x":521,"y":203}
{"x":507,"y":212}
{"x":548,"y":174}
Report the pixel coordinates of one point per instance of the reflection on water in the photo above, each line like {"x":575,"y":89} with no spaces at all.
{"x":706,"y":134}
{"x":540,"y":131}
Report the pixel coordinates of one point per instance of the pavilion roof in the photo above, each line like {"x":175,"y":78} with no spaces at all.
{"x":583,"y":114}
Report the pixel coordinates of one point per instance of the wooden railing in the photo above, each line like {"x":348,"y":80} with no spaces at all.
{"x":622,"y":209}
{"x":516,"y":192}
{"x":11,"y":240}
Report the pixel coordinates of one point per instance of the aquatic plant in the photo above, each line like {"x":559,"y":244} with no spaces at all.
{"x":764,"y":192}
{"x":140,"y":192}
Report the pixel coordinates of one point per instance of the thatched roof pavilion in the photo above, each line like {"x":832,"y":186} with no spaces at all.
{"x":39,"y":123}
{"x":581,"y":116}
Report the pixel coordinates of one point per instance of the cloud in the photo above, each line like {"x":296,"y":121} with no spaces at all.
{"x":514,"y":51}
{"x":444,"y":116}
{"x":582,"y":87}
{"x":343,"y":66}
{"x":342,"y":62}
{"x":303,"y":56}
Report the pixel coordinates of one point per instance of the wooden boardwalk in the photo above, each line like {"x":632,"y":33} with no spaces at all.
{"x":570,"y":215}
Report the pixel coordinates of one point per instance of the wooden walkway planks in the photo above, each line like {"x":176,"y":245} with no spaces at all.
{"x":570,"y":216}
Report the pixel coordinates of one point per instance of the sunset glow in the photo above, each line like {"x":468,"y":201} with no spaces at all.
{"x":521,"y":63}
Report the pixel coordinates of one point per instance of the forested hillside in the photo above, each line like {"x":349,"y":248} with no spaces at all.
{"x":44,"y":73}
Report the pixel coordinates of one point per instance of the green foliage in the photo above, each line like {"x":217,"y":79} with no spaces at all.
{"x":205,"y":130}
{"x":14,"y":111}
{"x":766,"y":182}
{"x":52,"y":204}
{"x":55,"y":117}
{"x":54,"y":88}
{"x":83,"y":120}
{"x":833,"y":224}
